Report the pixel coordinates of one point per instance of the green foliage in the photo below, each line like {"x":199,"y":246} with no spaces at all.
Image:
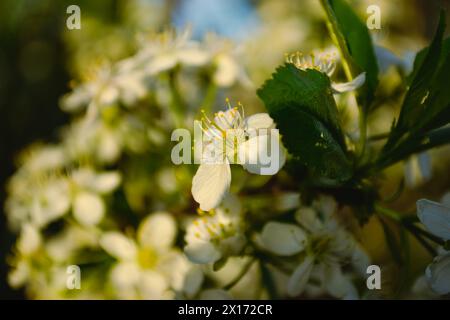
{"x":426,"y":106}
{"x":302,"y":104}
{"x":353,"y":38}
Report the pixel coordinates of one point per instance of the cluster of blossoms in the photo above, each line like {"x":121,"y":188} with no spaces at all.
{"x":91,"y":201}
{"x":436,"y":219}
{"x":107,"y":199}
{"x":320,"y":248}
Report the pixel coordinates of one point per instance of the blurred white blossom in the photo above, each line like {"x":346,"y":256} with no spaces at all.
{"x":436,"y":219}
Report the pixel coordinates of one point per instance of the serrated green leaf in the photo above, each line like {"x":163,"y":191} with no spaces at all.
{"x":353,"y":38}
{"x":302,"y":105}
{"x":310,"y":90}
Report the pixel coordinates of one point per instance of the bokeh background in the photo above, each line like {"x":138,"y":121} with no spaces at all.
{"x":39,"y":55}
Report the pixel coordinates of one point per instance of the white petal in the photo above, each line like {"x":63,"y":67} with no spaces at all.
{"x":283,"y":239}
{"x":259,"y":121}
{"x":158,"y":230}
{"x":161,"y":63}
{"x":77,"y":99}
{"x":57,"y":200}
{"x":226,"y":72}
{"x":193,"y":57}
{"x":300,"y":277}
{"x":88,"y":208}
{"x":108,"y":147}
{"x":349,"y":86}
{"x":109,"y":95}
{"x":308,"y":218}
{"x":19,"y":275}
{"x":210,"y":184}
{"x":106,"y":182}
{"x":360,"y":259}
{"x":29,"y":240}
{"x":202,"y":252}
{"x":118,"y":245}
{"x":192,"y":281}
{"x":438,"y":274}
{"x":445,"y":200}
{"x":435,"y":217}
{"x":231,"y":206}
{"x":338,"y":285}
{"x":425,"y":165}
{"x":125,"y":275}
{"x":255,"y":157}
{"x":152,"y":285}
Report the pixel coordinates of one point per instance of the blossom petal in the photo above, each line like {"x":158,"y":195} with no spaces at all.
{"x":30,"y":240}
{"x":259,"y":121}
{"x":210,"y":184}
{"x":283,"y":239}
{"x":435,"y":217}
{"x":193,"y":57}
{"x":88,"y":208}
{"x":192,"y":281}
{"x":360,"y":259}
{"x":298,"y":280}
{"x":158,"y":230}
{"x":106,"y":182}
{"x":227,"y":71}
{"x":118,"y":245}
{"x":202,"y":252}
{"x":152,"y":285}
{"x":337,"y":284}
{"x":438,"y":274}
{"x":445,"y":200}
{"x":255,"y":157}
{"x":309,"y":219}
{"x":349,"y":86}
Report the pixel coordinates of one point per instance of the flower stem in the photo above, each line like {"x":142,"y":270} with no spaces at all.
{"x":417,"y":232}
{"x":338,"y":39}
{"x":362,"y":132}
{"x":394,"y":215}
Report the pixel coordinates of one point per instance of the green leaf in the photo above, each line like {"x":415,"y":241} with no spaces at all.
{"x":436,"y":112}
{"x":420,"y":57}
{"x":426,"y":106}
{"x":353,"y":38}
{"x":302,"y":105}
{"x":430,"y":140}
{"x":422,"y":82}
